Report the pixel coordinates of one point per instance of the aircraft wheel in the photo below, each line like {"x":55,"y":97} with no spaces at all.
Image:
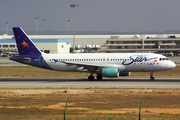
{"x":91,"y":78}
{"x":151,"y":78}
{"x":151,"y":75}
{"x":99,"y":77}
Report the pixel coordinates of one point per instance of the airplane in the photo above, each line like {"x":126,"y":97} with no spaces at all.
{"x":110,"y":65}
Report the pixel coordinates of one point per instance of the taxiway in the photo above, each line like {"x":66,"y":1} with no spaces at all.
{"x":82,"y":82}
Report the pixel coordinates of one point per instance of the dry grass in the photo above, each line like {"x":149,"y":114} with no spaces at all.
{"x":89,"y":104}
{"x":28,"y":71}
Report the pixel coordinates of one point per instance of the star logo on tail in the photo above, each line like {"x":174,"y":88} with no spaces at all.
{"x":25,"y":44}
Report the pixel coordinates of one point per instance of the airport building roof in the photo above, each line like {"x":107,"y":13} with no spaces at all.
{"x":38,"y":40}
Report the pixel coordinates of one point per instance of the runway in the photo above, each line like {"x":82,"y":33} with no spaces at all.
{"x":82,"y":82}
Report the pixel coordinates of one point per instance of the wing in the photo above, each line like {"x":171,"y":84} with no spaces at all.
{"x":90,"y":67}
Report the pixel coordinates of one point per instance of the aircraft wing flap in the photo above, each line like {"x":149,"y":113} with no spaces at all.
{"x":82,"y":64}
{"x":86,"y":65}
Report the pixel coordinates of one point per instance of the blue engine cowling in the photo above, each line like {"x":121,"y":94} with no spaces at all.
{"x":124,"y":73}
{"x":110,"y":72}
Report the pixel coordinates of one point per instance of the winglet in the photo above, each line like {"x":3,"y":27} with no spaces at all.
{"x":24,"y":43}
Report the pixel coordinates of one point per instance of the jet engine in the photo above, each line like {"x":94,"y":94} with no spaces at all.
{"x":110,"y":72}
{"x":124,"y":73}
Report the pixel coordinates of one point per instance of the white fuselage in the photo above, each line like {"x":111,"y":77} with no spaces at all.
{"x":133,"y":62}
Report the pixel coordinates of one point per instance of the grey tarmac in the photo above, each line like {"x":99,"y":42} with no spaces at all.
{"x":82,"y":82}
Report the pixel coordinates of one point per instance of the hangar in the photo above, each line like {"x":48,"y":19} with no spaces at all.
{"x":8,"y":46}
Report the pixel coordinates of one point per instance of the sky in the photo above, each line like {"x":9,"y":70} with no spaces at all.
{"x":91,"y":15}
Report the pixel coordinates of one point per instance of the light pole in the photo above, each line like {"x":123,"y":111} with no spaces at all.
{"x":44,"y":25}
{"x":74,"y":5}
{"x":36,"y":18}
{"x":7,"y":28}
{"x":68,"y":26}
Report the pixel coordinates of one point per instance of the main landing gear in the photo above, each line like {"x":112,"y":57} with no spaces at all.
{"x":99,"y":77}
{"x":151,"y":76}
{"x":91,"y":77}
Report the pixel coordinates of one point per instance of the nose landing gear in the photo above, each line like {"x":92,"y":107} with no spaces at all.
{"x":151,"y":76}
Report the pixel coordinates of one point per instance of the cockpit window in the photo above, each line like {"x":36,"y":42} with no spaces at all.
{"x":163,"y":59}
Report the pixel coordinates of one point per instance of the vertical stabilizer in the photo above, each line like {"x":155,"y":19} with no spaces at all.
{"x":24,"y":43}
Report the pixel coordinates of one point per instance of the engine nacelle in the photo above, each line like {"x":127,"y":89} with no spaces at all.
{"x":124,"y":73}
{"x":110,"y":72}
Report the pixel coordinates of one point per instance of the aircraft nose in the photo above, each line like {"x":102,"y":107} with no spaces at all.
{"x":172,"y":65}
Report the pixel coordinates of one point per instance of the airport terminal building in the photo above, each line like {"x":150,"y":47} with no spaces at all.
{"x":163,"y":44}
{"x":158,"y":43}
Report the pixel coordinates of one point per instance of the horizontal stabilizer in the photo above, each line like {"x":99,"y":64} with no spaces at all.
{"x":25,"y":59}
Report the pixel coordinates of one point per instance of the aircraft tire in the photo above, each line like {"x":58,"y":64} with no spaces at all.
{"x":90,"y":78}
{"x":151,"y":78}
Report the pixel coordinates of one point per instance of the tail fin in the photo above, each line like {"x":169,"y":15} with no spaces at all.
{"x":24,"y":43}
